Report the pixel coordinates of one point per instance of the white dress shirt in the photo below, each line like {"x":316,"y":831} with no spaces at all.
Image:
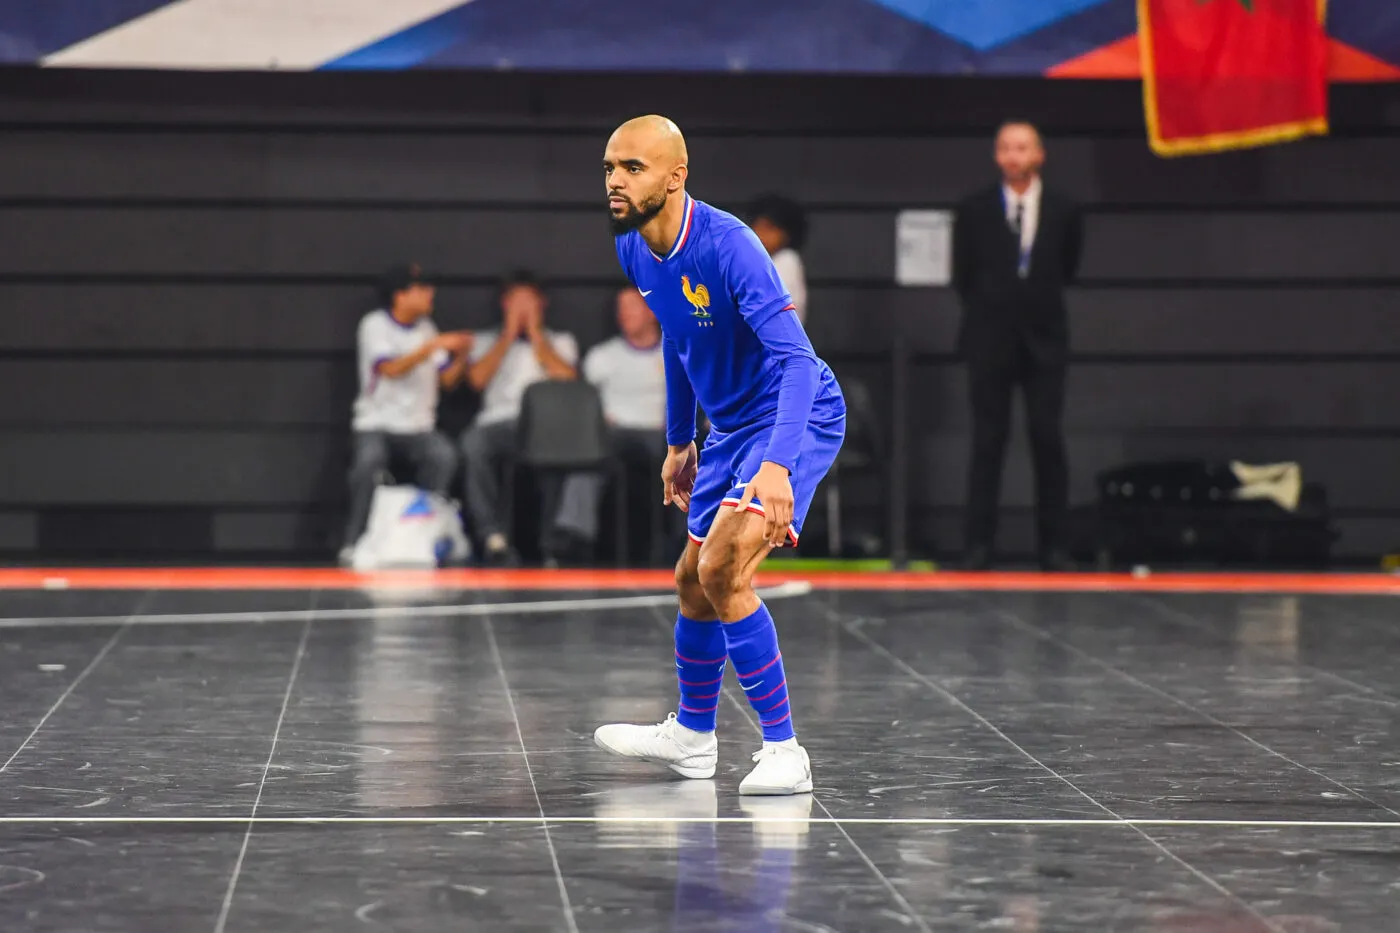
{"x":1030,"y":211}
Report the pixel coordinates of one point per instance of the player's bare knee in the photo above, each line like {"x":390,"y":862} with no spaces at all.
{"x":689,"y":591}
{"x":722,"y":575}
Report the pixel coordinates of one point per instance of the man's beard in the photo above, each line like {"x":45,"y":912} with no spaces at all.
{"x":637,"y":216}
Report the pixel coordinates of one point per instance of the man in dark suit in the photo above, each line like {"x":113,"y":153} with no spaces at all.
{"x":1016,"y":246}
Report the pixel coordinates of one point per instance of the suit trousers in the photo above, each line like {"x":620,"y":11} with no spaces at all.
{"x":995,"y":370}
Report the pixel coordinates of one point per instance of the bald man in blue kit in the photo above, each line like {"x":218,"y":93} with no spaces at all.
{"x":732,"y":343}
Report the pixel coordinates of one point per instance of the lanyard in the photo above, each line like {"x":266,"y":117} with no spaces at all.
{"x":1023,"y":262}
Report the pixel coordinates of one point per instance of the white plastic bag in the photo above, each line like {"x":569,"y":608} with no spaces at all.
{"x":411,"y":529}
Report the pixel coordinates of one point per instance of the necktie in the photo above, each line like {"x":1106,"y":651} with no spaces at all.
{"x":1023,"y":266}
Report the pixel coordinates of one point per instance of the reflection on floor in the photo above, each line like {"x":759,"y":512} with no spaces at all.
{"x":341,"y":756}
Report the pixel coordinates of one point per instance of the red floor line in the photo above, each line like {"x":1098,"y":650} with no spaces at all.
{"x":267,"y":578}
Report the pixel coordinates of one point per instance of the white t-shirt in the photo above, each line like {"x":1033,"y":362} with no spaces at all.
{"x":632,"y":382}
{"x":500,"y":400}
{"x":789,"y":265}
{"x":407,"y":405}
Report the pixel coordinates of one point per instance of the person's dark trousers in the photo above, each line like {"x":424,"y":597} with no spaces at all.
{"x":995,"y":370}
{"x":486,"y":449}
{"x":641,"y":452}
{"x":429,"y":455}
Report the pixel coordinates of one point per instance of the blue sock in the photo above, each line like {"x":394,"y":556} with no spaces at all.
{"x":753,"y":648}
{"x":700,"y":671}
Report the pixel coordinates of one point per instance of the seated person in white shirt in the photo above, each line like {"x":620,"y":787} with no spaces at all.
{"x":503,"y":365}
{"x":403,"y":361}
{"x":631,"y":379}
{"x":781,"y":226}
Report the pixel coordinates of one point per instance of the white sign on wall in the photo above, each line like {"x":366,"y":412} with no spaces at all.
{"x":923,"y":248}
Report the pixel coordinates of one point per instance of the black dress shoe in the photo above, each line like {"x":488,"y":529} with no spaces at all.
{"x":977,"y":559}
{"x":1056,"y":561}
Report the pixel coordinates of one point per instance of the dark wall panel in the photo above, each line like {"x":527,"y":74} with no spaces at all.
{"x":1236,"y":321}
{"x":183,"y":263}
{"x":526,"y":168}
{"x":529,"y":167}
{"x":149,"y":467}
{"x":1135,"y":398}
{"x":155,"y":393}
{"x":846,"y":244}
{"x":85,"y":164}
{"x":314,"y":316}
{"x":221,"y":242}
{"x":1241,"y":246}
{"x":246,"y":317}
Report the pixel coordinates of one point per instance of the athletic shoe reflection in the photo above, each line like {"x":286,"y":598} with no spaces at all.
{"x":729,"y":876}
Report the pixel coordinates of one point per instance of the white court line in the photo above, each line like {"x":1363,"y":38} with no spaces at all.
{"x":1035,"y":631}
{"x":1051,"y":822}
{"x":949,"y":696}
{"x":898,"y":896}
{"x":1171,"y":614}
{"x":257,"y":801}
{"x":569,"y":919}
{"x":123,"y":623}
{"x":781,"y":591}
{"x":746,"y":713}
{"x":92,"y":665}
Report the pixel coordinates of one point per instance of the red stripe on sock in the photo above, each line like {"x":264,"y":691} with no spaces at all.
{"x":761,"y":669}
{"x":774,"y":706}
{"x":711,"y":709}
{"x":777,"y":721}
{"x":682,"y":657}
{"x":703,"y":696}
{"x":700,"y":683}
{"x":769,"y":693}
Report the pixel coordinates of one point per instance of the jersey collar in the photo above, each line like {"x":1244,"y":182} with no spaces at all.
{"x":681,"y":237}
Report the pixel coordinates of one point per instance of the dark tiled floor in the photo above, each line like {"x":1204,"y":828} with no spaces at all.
{"x":1014,"y":761}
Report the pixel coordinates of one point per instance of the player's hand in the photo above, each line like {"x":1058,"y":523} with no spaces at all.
{"x":772,"y":488}
{"x":678,"y":475}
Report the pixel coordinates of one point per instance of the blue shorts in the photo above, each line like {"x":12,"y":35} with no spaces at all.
{"x":729,"y":461}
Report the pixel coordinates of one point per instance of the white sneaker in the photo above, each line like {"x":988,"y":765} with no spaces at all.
{"x":782,"y":768}
{"x":688,"y":753}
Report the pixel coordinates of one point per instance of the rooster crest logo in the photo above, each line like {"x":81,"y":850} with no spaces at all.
{"x":699,"y":297}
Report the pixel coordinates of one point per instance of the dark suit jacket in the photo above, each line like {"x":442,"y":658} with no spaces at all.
{"x":999,"y":307}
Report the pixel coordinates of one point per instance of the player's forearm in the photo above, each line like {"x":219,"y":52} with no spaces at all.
{"x":796,"y":396}
{"x":797,"y":392}
{"x":681,"y":406}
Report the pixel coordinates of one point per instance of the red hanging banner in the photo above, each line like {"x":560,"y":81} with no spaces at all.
{"x":1229,"y":74}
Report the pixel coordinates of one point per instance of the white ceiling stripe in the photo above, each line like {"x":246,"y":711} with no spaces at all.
{"x":248,"y":34}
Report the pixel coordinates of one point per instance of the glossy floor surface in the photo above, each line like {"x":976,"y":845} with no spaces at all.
{"x":333,"y":760}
